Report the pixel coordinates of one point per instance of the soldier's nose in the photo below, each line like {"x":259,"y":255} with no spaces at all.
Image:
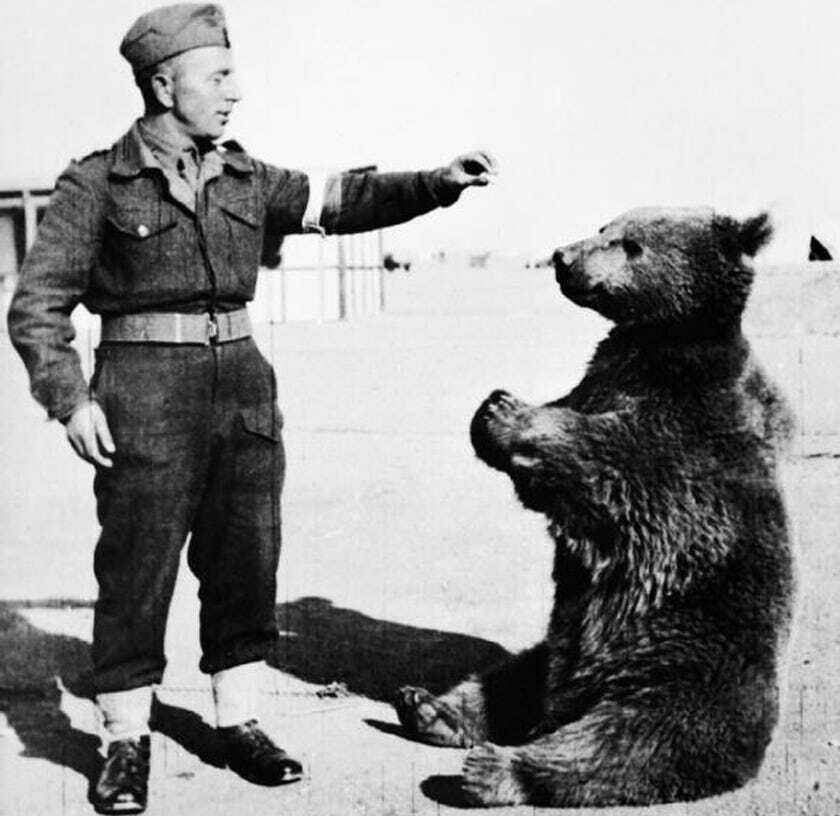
{"x":234,"y":92}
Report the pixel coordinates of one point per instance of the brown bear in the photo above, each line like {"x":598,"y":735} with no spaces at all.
{"x":657,"y":679}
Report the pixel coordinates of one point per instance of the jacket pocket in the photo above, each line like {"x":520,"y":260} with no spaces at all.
{"x":265,"y":421}
{"x":140,"y":224}
{"x":243,"y":209}
{"x":238,"y":241}
{"x":144,"y":252}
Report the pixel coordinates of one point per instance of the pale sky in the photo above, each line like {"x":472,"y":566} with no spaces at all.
{"x":591,"y":108}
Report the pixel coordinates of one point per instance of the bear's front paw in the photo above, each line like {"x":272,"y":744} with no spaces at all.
{"x":493,"y":428}
{"x":501,"y":405}
{"x":429,"y":719}
{"x":489,"y":777}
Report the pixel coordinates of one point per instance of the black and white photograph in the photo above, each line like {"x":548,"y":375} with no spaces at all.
{"x":419,"y":408}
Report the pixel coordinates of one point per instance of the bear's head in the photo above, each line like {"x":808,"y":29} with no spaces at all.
{"x":658,"y":267}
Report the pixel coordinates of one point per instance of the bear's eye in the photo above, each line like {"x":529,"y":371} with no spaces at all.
{"x":631,"y":248}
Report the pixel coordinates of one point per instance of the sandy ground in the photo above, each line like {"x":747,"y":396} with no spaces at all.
{"x":405,"y":559}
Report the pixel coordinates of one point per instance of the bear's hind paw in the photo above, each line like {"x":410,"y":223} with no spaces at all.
{"x":489,"y":777}
{"x":425,"y":717}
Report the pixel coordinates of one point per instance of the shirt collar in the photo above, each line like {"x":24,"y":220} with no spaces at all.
{"x":133,"y":155}
{"x":166,"y":145}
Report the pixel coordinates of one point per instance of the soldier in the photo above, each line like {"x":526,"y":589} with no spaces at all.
{"x":161,"y":236}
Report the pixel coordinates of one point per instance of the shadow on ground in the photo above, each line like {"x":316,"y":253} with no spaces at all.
{"x":31,"y":677}
{"x":321,"y":644}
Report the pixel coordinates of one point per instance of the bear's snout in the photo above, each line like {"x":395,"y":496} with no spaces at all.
{"x":569,"y":271}
{"x":562,"y":265}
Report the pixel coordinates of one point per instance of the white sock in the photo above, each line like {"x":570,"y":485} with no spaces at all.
{"x":235,"y":693}
{"x":125,"y":714}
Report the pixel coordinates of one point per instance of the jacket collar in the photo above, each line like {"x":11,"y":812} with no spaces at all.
{"x":129,"y":157}
{"x":132,"y":156}
{"x":235,"y":157}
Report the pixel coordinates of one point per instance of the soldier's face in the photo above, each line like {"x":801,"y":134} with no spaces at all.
{"x":204,"y":91}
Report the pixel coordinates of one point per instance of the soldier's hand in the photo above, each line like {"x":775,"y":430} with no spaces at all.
{"x":472,"y":169}
{"x":88,"y":433}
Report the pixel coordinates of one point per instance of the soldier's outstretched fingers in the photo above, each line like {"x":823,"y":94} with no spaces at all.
{"x":479,"y":167}
{"x":473,"y":169}
{"x":490,"y":161}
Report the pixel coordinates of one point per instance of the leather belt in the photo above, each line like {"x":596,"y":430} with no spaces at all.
{"x":175,"y":327}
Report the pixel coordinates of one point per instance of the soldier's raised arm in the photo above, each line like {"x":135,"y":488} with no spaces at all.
{"x":356,"y":201}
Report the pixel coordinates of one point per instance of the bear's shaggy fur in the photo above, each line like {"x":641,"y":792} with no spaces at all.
{"x":657,"y":680}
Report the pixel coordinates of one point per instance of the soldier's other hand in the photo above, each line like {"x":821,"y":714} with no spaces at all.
{"x":88,"y":433}
{"x":472,"y":169}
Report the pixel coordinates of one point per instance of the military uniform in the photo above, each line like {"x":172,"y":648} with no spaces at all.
{"x":196,"y":427}
{"x":162,"y":236}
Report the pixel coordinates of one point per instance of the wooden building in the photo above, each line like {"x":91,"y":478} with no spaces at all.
{"x":307,"y":278}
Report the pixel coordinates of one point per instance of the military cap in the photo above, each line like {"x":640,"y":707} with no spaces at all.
{"x":170,"y":30}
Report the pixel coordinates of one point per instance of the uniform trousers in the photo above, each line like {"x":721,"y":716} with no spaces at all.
{"x":199,"y":455}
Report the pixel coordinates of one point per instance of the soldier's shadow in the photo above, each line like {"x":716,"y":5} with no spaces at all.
{"x":321,"y":644}
{"x":31,"y":689}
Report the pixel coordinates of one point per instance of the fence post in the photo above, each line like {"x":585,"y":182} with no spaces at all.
{"x":342,"y":280}
{"x":381,"y":265}
{"x":30,"y":218}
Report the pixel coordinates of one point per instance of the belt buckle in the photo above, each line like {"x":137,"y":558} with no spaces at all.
{"x":212,"y":329}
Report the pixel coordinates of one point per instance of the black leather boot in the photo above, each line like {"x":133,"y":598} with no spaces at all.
{"x":123,"y":784}
{"x":249,"y":752}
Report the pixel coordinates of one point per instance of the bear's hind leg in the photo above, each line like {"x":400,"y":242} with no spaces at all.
{"x":632,"y":753}
{"x":602,"y":759}
{"x":503,"y":705}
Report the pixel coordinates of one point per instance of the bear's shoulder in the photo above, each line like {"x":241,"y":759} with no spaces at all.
{"x":765,"y":411}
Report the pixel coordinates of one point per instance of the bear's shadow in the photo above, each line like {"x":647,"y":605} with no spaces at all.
{"x":322,"y":644}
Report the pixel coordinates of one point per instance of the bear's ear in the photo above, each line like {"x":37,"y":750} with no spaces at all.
{"x":754,"y":233}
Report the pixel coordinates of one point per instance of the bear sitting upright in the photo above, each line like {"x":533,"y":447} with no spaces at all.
{"x":657,"y":680}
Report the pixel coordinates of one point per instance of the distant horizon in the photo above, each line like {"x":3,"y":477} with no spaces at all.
{"x":799,"y":254}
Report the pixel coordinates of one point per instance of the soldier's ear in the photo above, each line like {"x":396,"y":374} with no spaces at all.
{"x":162,"y":87}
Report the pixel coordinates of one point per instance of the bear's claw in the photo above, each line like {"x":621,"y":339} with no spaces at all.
{"x":501,"y":402}
{"x":493,"y":427}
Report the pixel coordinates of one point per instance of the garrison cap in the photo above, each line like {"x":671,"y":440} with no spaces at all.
{"x":170,"y":30}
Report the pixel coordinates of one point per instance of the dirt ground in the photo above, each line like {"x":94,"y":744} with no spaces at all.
{"x":405,"y":559}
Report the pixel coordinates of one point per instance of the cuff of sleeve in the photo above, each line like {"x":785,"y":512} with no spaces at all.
{"x":63,"y":411}
{"x":316,"y":204}
{"x":446,"y":193}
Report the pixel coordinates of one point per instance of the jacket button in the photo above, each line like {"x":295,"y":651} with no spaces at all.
{"x":142,"y":230}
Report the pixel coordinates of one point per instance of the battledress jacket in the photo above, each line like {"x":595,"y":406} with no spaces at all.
{"x":114,"y":239}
